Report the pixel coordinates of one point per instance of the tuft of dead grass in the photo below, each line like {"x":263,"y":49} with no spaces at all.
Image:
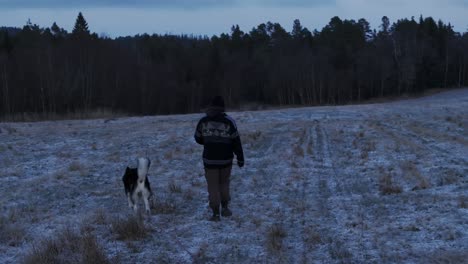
{"x":412,"y":171}
{"x":67,"y":247}
{"x":463,"y":202}
{"x":12,"y":234}
{"x":189,"y":195}
{"x":312,"y":237}
{"x":446,"y":256}
{"x":174,"y":188}
{"x":450,"y":176}
{"x":298,"y":151}
{"x":114,"y":156}
{"x":94,"y":146}
{"x":338,"y":250}
{"x":131,"y":228}
{"x":100,"y":217}
{"x":60,"y":175}
{"x":251,"y":137}
{"x":169,"y":155}
{"x":64,"y":154}
{"x":200,"y":255}
{"x":275,"y":236}
{"x":76,"y":166}
{"x":163,"y":206}
{"x":387,"y":186}
{"x":310,"y":148}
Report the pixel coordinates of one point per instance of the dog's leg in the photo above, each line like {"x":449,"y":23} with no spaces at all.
{"x":130,"y":201}
{"x":134,"y":199}
{"x":146,"y":195}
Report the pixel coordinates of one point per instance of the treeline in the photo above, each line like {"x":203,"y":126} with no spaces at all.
{"x":49,"y":70}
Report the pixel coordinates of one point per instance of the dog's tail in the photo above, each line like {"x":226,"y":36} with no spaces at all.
{"x":143,"y":167}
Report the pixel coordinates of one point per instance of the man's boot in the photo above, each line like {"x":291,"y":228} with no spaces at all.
{"x":215,"y":217}
{"x":225,"y":212}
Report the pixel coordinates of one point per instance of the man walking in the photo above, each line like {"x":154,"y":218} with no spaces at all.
{"x":217,"y":132}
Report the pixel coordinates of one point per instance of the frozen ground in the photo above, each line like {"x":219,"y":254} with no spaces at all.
{"x":380,"y":183}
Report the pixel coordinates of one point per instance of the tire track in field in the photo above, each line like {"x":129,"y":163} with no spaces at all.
{"x":331,"y":200}
{"x":351,"y":239}
{"x":309,"y":183}
{"x":294,"y":184}
{"x":432,"y":156}
{"x":416,"y":141}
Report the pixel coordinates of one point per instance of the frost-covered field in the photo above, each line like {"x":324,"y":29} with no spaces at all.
{"x":381,"y":183}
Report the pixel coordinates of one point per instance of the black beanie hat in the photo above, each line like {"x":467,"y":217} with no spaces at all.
{"x":217,"y":101}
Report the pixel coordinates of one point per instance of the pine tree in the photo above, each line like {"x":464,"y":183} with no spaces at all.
{"x":55,"y":29}
{"x":385,"y":26}
{"x":297,"y":30}
{"x":366,"y":30}
{"x":81,"y":26}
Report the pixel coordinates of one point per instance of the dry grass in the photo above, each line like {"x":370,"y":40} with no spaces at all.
{"x":201,"y":255}
{"x":163,"y":206}
{"x":275,"y":236}
{"x":338,"y":250}
{"x":8,"y":129}
{"x":100,"y":217}
{"x":60,"y":175}
{"x":257,"y":221}
{"x":169,"y":155}
{"x":113,"y":157}
{"x":310,"y":148}
{"x":251,"y":137}
{"x":196,"y":182}
{"x":65,"y":154}
{"x":132,"y":228}
{"x":443,"y":257}
{"x":67,"y":247}
{"x":168,"y":142}
{"x":11,"y":233}
{"x":450,"y":176}
{"x":298,"y":151}
{"x":387,"y":186}
{"x":463,"y":202}
{"x":94,"y":146}
{"x":174,"y":188}
{"x":189,"y":194}
{"x":312,"y":237}
{"x":412,"y":171}
{"x":370,"y":146}
{"x":364,"y":155}
{"x":36,"y":117}
{"x":76,"y":166}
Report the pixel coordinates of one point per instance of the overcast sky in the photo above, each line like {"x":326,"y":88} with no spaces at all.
{"x":212,"y":17}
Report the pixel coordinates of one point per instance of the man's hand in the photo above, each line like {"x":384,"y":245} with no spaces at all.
{"x":240,"y":163}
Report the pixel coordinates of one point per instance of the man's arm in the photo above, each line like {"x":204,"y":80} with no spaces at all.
{"x":238,"y":151}
{"x":198,"y":134}
{"x":236,"y":143}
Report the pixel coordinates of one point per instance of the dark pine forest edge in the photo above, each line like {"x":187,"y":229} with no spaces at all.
{"x":46,"y":71}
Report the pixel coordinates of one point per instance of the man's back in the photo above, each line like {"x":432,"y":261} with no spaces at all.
{"x":218,"y":133}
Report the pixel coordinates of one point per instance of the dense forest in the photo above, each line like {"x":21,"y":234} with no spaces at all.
{"x":50,"y":70}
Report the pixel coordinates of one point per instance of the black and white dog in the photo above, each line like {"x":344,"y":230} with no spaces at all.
{"x":136,"y":182}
